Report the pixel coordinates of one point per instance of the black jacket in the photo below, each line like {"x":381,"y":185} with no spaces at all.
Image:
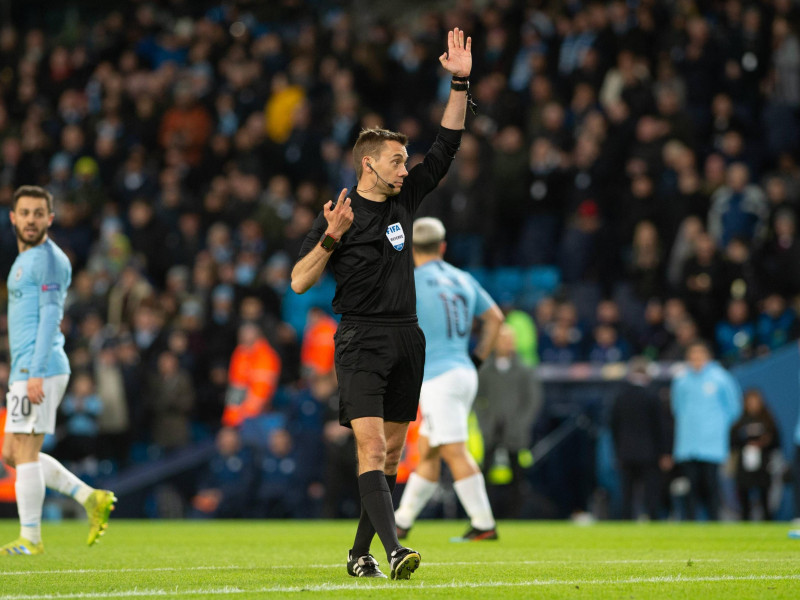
{"x":638,"y":425}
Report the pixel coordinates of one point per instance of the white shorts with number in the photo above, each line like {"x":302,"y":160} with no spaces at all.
{"x":445,"y":402}
{"x":23,"y":416}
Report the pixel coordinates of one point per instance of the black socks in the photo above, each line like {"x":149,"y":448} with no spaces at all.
{"x":377,"y":512}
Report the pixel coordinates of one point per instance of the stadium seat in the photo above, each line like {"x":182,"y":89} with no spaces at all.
{"x":481,"y":275}
{"x":537,"y":282}
{"x":542,"y":277}
{"x":505,"y":284}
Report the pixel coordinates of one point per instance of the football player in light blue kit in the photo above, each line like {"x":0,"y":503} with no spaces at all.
{"x":37,"y":288}
{"x":448,"y":300}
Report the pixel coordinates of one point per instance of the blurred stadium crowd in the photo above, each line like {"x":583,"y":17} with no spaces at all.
{"x":646,"y":153}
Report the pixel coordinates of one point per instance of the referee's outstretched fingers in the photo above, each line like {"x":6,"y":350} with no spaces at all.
{"x":457,"y":59}
{"x":340,"y":217}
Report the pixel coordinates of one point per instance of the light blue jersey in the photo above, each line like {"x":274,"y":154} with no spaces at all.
{"x":447,"y":301}
{"x":705,"y":404}
{"x":37,"y":288}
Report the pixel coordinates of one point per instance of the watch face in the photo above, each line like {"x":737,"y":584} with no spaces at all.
{"x":328,"y":242}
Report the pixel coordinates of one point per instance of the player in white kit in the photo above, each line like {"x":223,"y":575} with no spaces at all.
{"x":448,"y":299}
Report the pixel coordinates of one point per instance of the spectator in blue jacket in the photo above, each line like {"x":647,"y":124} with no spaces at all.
{"x":608,"y":346}
{"x":736,"y":334}
{"x":80,"y":410}
{"x":777,"y":324}
{"x":281,"y":479}
{"x":559,"y":347}
{"x":225,"y":490}
{"x":706,"y":401}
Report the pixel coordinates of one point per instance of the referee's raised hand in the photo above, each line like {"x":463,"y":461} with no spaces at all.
{"x":458,"y":58}
{"x":339,"y":216}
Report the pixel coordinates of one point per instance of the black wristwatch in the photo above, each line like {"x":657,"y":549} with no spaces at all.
{"x":328,"y":242}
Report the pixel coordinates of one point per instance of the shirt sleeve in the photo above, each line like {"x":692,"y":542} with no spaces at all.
{"x":731,"y":397}
{"x":427,"y":175}
{"x":52,"y":280}
{"x":313,"y":236}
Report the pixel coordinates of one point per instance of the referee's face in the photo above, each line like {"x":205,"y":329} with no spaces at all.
{"x":31,"y":219}
{"x":392,"y":161}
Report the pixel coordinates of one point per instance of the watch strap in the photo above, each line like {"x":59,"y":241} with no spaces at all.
{"x":328,"y":242}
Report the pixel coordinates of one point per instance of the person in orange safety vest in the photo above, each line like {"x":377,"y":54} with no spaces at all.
{"x":316,"y":353}
{"x":253,"y":376}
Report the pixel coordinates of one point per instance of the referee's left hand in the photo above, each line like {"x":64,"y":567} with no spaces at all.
{"x":35,"y":391}
{"x":458,"y":58}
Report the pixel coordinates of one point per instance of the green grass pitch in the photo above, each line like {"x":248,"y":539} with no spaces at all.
{"x":305,"y":559}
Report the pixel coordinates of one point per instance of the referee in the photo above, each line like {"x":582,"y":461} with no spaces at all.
{"x":380,"y":349}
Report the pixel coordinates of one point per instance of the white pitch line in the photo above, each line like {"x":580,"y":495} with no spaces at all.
{"x":332,"y":587}
{"x":132,"y":570}
{"x":635,"y":561}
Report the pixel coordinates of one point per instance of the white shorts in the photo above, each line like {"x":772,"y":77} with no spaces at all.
{"x":25,"y":417}
{"x":445,"y":402}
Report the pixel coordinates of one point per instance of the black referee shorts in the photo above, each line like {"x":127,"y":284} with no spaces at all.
{"x":380,"y":364}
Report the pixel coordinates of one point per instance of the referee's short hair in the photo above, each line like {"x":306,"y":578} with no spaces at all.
{"x":369,"y":143}
{"x":32,"y":191}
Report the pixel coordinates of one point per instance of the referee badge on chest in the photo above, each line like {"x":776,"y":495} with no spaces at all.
{"x":396,"y":236}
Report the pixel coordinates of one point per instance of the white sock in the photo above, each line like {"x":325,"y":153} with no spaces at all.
{"x":30,"y":497}
{"x":58,"y":478}
{"x":471,"y":492}
{"x":415,"y":496}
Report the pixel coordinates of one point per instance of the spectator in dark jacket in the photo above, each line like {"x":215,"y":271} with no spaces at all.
{"x":753,"y":437}
{"x":703,"y":278}
{"x":779,"y":259}
{"x":640,"y":440}
{"x":171,"y":401}
{"x":225,"y":490}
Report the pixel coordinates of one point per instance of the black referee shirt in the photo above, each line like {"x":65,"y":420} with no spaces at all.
{"x":373,"y":266}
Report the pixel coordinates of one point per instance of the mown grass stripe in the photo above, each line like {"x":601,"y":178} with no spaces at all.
{"x":332,"y":587}
{"x":622,"y":561}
